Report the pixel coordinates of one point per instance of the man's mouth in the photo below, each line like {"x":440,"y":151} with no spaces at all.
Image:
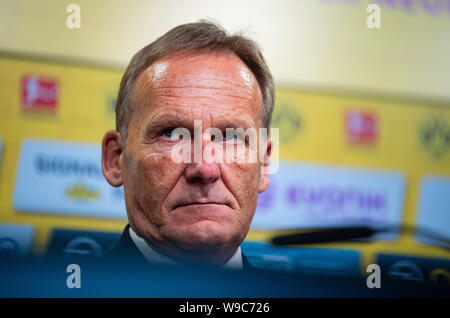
{"x":199,"y":204}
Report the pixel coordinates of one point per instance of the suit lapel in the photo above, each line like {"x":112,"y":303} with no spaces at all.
{"x":125,"y":247}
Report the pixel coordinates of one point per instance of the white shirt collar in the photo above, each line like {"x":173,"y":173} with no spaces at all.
{"x":235,"y":262}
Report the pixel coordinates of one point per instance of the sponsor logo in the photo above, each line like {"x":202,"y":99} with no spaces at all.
{"x":82,"y":192}
{"x":8,"y":247}
{"x":305,"y":195}
{"x":39,"y":93}
{"x":15,"y":240}
{"x":287,"y":118}
{"x":417,"y":269}
{"x":80,"y":243}
{"x":64,"y":166}
{"x":361,"y":127}
{"x":50,"y":164}
{"x":65,"y":178}
{"x":434,"y":135}
{"x":83,"y":246}
{"x":329,"y":201}
{"x":405,"y":270}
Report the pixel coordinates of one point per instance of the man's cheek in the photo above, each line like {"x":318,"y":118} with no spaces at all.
{"x":241,"y":180}
{"x":160,"y":170}
{"x":155,"y":176}
{"x":242,"y":171}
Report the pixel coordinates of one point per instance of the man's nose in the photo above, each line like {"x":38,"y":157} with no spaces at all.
{"x":207,"y":170}
{"x":202,"y":172}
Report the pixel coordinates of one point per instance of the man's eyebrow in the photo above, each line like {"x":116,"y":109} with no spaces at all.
{"x":175,"y":119}
{"x":241,"y":122}
{"x":233,"y":124}
{"x":165,"y":118}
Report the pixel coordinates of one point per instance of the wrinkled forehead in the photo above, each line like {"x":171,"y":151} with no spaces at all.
{"x":194,"y":72}
{"x":206,"y":66}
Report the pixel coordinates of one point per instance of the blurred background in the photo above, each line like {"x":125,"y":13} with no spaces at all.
{"x":363,"y":113}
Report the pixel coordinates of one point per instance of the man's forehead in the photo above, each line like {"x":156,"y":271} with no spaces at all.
{"x":217,"y":81}
{"x":200,"y":70}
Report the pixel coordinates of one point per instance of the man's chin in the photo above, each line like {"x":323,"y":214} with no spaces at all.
{"x":203,"y":235}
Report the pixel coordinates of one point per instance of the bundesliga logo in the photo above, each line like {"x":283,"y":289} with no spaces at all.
{"x":39,"y":93}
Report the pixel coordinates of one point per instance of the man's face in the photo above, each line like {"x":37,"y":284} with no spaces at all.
{"x":189,"y":207}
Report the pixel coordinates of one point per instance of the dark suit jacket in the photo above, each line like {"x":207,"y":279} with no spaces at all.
{"x":126,"y":250}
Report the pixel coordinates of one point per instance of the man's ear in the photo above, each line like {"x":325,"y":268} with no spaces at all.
{"x":264,"y":176}
{"x":111,"y":152}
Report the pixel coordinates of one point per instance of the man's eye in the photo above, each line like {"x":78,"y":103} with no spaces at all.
{"x":168,"y":132}
{"x":231,"y":137}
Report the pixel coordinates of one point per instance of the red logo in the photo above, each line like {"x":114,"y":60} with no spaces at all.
{"x":361,"y":127}
{"x":39,"y":93}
